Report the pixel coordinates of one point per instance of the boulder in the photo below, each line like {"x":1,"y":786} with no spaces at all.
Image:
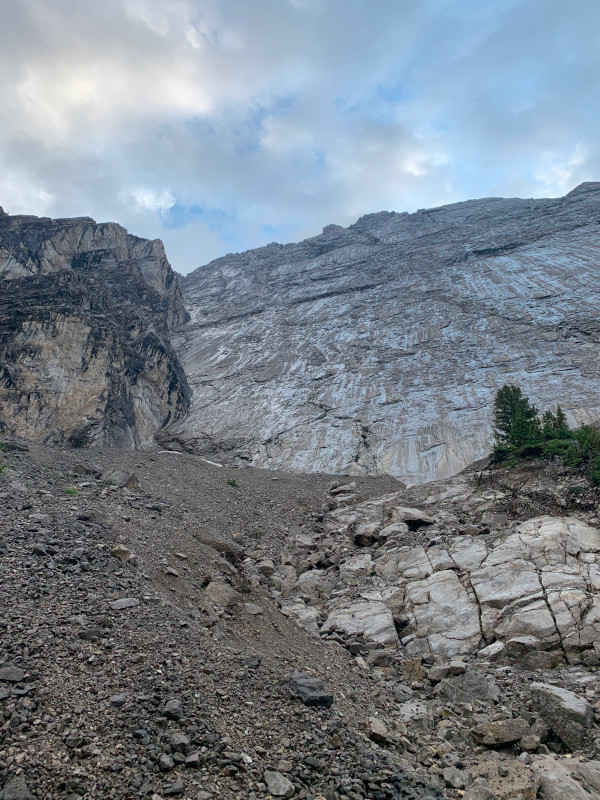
{"x":16,"y":788}
{"x":568,"y":715}
{"x":222,"y":594}
{"x":504,"y":731}
{"x":120,"y":479}
{"x":311,"y":690}
{"x":371,"y":618}
{"x":467,"y":687}
{"x":278,"y":785}
{"x":562,"y":779}
{"x":414,"y":518}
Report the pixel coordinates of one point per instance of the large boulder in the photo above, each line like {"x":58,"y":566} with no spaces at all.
{"x":568,"y":715}
{"x":370,"y":618}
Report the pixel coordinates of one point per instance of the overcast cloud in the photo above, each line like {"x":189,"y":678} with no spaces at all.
{"x":219,"y":125}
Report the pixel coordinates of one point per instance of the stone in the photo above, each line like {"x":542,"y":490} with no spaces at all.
{"x":10,"y":674}
{"x":305,"y":616}
{"x":252,"y":609}
{"x":173,"y":708}
{"x":372,"y":619}
{"x":176,"y":788}
{"x":377,"y":731}
{"x":124,"y":602}
{"x":16,"y":788}
{"x":178,"y":741}
{"x":222,"y":594}
{"x":413,"y":518}
{"x":366,"y":534}
{"x":530,"y":743}
{"x":120,"y":479}
{"x":446,"y":616}
{"x":266,"y":567}
{"x":165,"y":763}
{"x":356,"y":568}
{"x":121,"y":552}
{"x":479,"y":791}
{"x":562,"y":779}
{"x":568,"y":715}
{"x":118,"y":700}
{"x":311,"y":690}
{"x":467,"y":687}
{"x":493,"y":652}
{"x":439,"y":672}
{"x":346,"y":488}
{"x":278,"y":785}
{"x":505,"y":731}
{"x":381,"y":659}
{"x":454,"y":778}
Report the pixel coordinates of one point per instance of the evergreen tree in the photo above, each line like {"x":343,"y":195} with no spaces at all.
{"x":516,"y":422}
{"x":554,"y":426}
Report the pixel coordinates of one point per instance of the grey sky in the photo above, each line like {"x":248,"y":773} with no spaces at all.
{"x":219,"y":125}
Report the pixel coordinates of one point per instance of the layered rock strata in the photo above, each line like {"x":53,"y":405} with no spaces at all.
{"x":86,"y":311}
{"x":378,"y":348}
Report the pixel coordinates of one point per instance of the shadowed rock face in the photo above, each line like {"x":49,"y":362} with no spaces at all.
{"x":379,"y":347}
{"x":85,"y":316}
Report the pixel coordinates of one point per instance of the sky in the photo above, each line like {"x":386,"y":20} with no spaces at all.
{"x":221,"y":125}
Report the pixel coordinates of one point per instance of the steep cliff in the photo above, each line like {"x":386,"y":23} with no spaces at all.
{"x":86,"y":312}
{"x":378,"y":347}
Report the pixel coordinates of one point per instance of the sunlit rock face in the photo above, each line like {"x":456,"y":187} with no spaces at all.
{"x":378,"y":348}
{"x":86,"y":312}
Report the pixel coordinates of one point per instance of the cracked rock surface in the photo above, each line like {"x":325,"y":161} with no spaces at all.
{"x":527,"y":587}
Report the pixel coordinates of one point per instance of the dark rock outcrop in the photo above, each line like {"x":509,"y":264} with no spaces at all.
{"x":86,"y":312}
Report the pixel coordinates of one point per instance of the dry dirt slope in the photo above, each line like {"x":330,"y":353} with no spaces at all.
{"x":183,"y":688}
{"x":174,"y":695}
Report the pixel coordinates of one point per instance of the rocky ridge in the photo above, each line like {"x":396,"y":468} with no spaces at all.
{"x":86,"y":312}
{"x":377,"y":348}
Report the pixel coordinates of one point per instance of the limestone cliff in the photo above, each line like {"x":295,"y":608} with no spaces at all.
{"x":86,"y":312}
{"x":378,"y":348}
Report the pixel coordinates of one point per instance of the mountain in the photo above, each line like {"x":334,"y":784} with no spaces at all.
{"x":86,"y":312}
{"x":378,"y":348}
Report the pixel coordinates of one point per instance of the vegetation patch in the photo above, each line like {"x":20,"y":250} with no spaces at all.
{"x":522,"y":433}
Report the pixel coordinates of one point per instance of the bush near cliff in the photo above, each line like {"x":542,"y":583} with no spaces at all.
{"x":520,"y":432}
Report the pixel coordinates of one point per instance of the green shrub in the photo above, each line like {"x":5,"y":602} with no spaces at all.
{"x":232,"y":482}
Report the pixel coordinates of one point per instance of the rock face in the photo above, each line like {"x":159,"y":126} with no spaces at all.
{"x":527,"y":593}
{"x":86,"y":312}
{"x":378,"y":348}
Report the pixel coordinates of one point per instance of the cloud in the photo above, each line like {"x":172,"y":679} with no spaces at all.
{"x":222,"y":124}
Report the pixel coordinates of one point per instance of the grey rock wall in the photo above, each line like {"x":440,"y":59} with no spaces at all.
{"x":378,"y":348}
{"x":86,"y":312}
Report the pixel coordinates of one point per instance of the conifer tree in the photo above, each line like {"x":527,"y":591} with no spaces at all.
{"x":516,"y":422}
